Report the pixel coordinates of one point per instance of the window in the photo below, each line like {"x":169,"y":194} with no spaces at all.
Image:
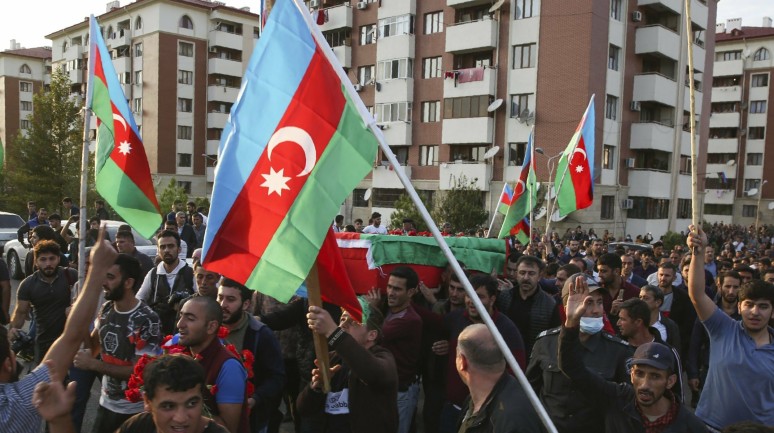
{"x":613,"y":55}
{"x":608,"y":207}
{"x":185,"y":185}
{"x":523,"y":9}
{"x":761,"y":54}
{"x":137,"y":77}
{"x":184,"y":77}
{"x":25,"y":86}
{"x":465,"y":107}
{"x":386,"y":197}
{"x":520,"y":104}
{"x":431,"y":111}
{"x":754,"y":159}
{"x":725,"y":56}
{"x":516,"y":153}
{"x":611,"y":107}
{"x":649,"y":208}
{"x":365,"y":74}
{"x":718,"y":209}
{"x":471,"y":14}
{"x":474,"y":153}
{"x":183,"y":159}
{"x":401,"y":154}
{"x":25,"y":124}
{"x":615,"y":9}
{"x":720,"y":182}
{"x":685,"y":164}
{"x":759,"y":80}
{"x":185,"y":22}
{"x":751,"y":183}
{"x":138,"y":50}
{"x":338,"y":38}
{"x":26,"y":105}
{"x":756,"y":133}
{"x":110,"y":33}
{"x":358,"y":198}
{"x":25,"y":69}
{"x":428,"y":155}
{"x":138,"y":23}
{"x":479,"y":59}
{"x":185,"y":49}
{"x":184,"y":132}
{"x":397,"y":68}
{"x":655,"y":160}
{"x":184,"y":105}
{"x":256,"y":32}
{"x":434,"y":22}
{"x":137,"y":105}
{"x":608,"y":157}
{"x":393,"y":112}
{"x":757,"y":106}
{"x":749,"y":210}
{"x":725,"y":107}
{"x":368,"y":34}
{"x":524,"y":56}
{"x":684,"y":208}
{"x":432,"y":67}
{"x":393,"y":26}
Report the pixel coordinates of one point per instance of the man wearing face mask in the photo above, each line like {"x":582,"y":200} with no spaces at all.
{"x":605,"y":354}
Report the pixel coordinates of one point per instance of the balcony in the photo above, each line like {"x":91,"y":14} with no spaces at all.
{"x":395,"y":90}
{"x":452,"y":88}
{"x":687,"y":100}
{"x":467,"y":131}
{"x":471,"y":36}
{"x":673,"y":5}
{"x":74,"y":52}
{"x":699,"y":14}
{"x":477,"y":173}
{"x":465,"y":3}
{"x":723,"y":145}
{"x":724,"y":120}
{"x":226,"y":67}
{"x":212,"y":147}
{"x":385,"y":177}
{"x":719,"y":196}
{"x":395,"y":47}
{"x":344,"y":55}
{"x":122,"y":64}
{"x":394,"y":8}
{"x":76,"y":76}
{"x":656,"y":39}
{"x":652,"y":136}
{"x":226,"y":40}
{"x":397,"y":133}
{"x":648,"y":183}
{"x":338,"y":17}
{"x":46,"y":79}
{"x":121,"y":38}
{"x":210,"y":174}
{"x":727,"y":94}
{"x":728,"y":68}
{"x":655,"y":87}
{"x":216,"y":120}
{"x":127,"y":89}
{"x":222,"y":93}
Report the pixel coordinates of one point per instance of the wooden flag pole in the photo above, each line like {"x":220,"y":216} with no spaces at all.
{"x":695,"y":209}
{"x":320,"y":342}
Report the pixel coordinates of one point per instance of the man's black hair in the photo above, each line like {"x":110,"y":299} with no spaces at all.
{"x":410,"y":275}
{"x":611,"y":260}
{"x":637,"y":309}
{"x":484,"y":280}
{"x":170,"y":234}
{"x":130,"y":268}
{"x":245,"y":293}
{"x":532,"y":260}
{"x":176,"y":373}
{"x":755,"y":290}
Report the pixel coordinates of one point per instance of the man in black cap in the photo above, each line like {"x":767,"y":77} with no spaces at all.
{"x":376,"y":227}
{"x":648,"y":402}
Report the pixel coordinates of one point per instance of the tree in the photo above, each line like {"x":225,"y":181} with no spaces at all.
{"x":47,"y":160}
{"x":171,"y":193}
{"x":672,"y":239}
{"x":405,"y":208}
{"x":462,"y":206}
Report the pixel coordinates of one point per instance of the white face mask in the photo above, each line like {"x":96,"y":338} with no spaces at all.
{"x":591,"y":325}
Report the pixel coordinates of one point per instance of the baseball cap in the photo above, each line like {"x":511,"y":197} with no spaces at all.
{"x":590,"y":281}
{"x":655,"y":355}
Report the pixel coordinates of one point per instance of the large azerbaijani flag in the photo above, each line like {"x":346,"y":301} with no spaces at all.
{"x":121,"y":167}
{"x":296,"y":144}
{"x":524,"y":194}
{"x":575,"y":171}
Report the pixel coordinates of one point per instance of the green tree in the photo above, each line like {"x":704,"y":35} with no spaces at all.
{"x":672,"y":239}
{"x":405,"y":208}
{"x":462,"y":206}
{"x":47,"y":160}
{"x":171,"y":193}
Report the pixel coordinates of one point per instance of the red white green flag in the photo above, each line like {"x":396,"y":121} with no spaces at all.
{"x":121,"y":167}
{"x":575,"y":171}
{"x":524,"y":193}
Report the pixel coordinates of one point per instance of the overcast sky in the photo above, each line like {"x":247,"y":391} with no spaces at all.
{"x":29,"y":23}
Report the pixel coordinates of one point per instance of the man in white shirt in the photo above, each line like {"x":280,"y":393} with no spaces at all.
{"x":376,"y":227}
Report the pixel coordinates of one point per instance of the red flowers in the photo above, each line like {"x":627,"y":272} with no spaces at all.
{"x":223,"y":332}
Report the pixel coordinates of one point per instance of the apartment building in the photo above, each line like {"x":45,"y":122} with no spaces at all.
{"x":181,"y":64}
{"x":736,"y":179}
{"x":448,"y":80}
{"x":23,"y":72}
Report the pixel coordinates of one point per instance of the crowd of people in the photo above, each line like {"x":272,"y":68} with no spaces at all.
{"x":612,"y":339}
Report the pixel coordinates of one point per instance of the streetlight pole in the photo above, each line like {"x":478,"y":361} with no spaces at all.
{"x":758,"y":207}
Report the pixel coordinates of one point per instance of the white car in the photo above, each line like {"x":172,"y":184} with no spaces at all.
{"x":15,"y":253}
{"x":9,"y":226}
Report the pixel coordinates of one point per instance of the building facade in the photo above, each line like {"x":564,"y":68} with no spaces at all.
{"x":736,"y":180}
{"x":180,"y":63}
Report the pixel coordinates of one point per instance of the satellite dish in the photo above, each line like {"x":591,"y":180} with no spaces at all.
{"x":367,"y":194}
{"x":497,"y":103}
{"x":771,"y":206}
{"x":496,"y":6}
{"x":542,"y":212}
{"x":752,"y":191}
{"x":555,"y":217}
{"x":731,"y":162}
{"x":491,"y":152}
{"x":551,"y":193}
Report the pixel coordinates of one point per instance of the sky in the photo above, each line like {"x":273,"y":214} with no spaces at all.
{"x":52,"y":15}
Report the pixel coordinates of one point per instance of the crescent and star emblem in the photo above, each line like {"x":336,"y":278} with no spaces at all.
{"x":276,"y":181}
{"x":124,"y":147}
{"x":579,"y":167}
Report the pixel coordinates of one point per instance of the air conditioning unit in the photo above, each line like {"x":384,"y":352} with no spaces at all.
{"x":636,"y":16}
{"x":627,"y":204}
{"x":629,"y":162}
{"x":635,"y":106}
{"x":314,"y":3}
{"x":358,"y":87}
{"x":362,"y":5}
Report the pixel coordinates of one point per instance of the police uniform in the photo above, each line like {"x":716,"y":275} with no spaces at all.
{"x":570,"y":410}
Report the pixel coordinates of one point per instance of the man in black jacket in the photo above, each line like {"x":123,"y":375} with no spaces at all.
{"x":648,"y":403}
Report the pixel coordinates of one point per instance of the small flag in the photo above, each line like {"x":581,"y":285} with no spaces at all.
{"x":505,"y":199}
{"x":723,"y":178}
{"x":524,"y":194}
{"x":575,"y":171}
{"x":521,"y":231}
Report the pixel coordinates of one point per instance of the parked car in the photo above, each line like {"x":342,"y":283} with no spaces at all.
{"x":15,"y":252}
{"x":9,"y":225}
{"x":612,"y":246}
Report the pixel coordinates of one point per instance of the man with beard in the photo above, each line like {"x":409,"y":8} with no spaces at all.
{"x":125,"y":244}
{"x":616,"y":288}
{"x":375,"y":227}
{"x":456,"y":298}
{"x":246,"y":332}
{"x":168,"y":283}
{"x":627,"y":266}
{"x":646,"y":266}
{"x":574,"y":246}
{"x":597,"y":250}
{"x":47,"y":292}
{"x":677,"y":304}
{"x":740,"y":380}
{"x":126,"y":328}
{"x":648,"y":402}
{"x":200,"y":320}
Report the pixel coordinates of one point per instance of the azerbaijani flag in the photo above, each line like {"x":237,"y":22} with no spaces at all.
{"x":505,"y":199}
{"x":296,"y":144}
{"x":121,"y":167}
{"x":524,"y":195}
{"x":575,"y":171}
{"x":521,"y":231}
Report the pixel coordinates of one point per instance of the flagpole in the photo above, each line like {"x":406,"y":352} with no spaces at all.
{"x":83,"y":220}
{"x":483,"y":313}
{"x":695,"y":208}
{"x":531,"y":164}
{"x":496,"y":212}
{"x":320,"y":342}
